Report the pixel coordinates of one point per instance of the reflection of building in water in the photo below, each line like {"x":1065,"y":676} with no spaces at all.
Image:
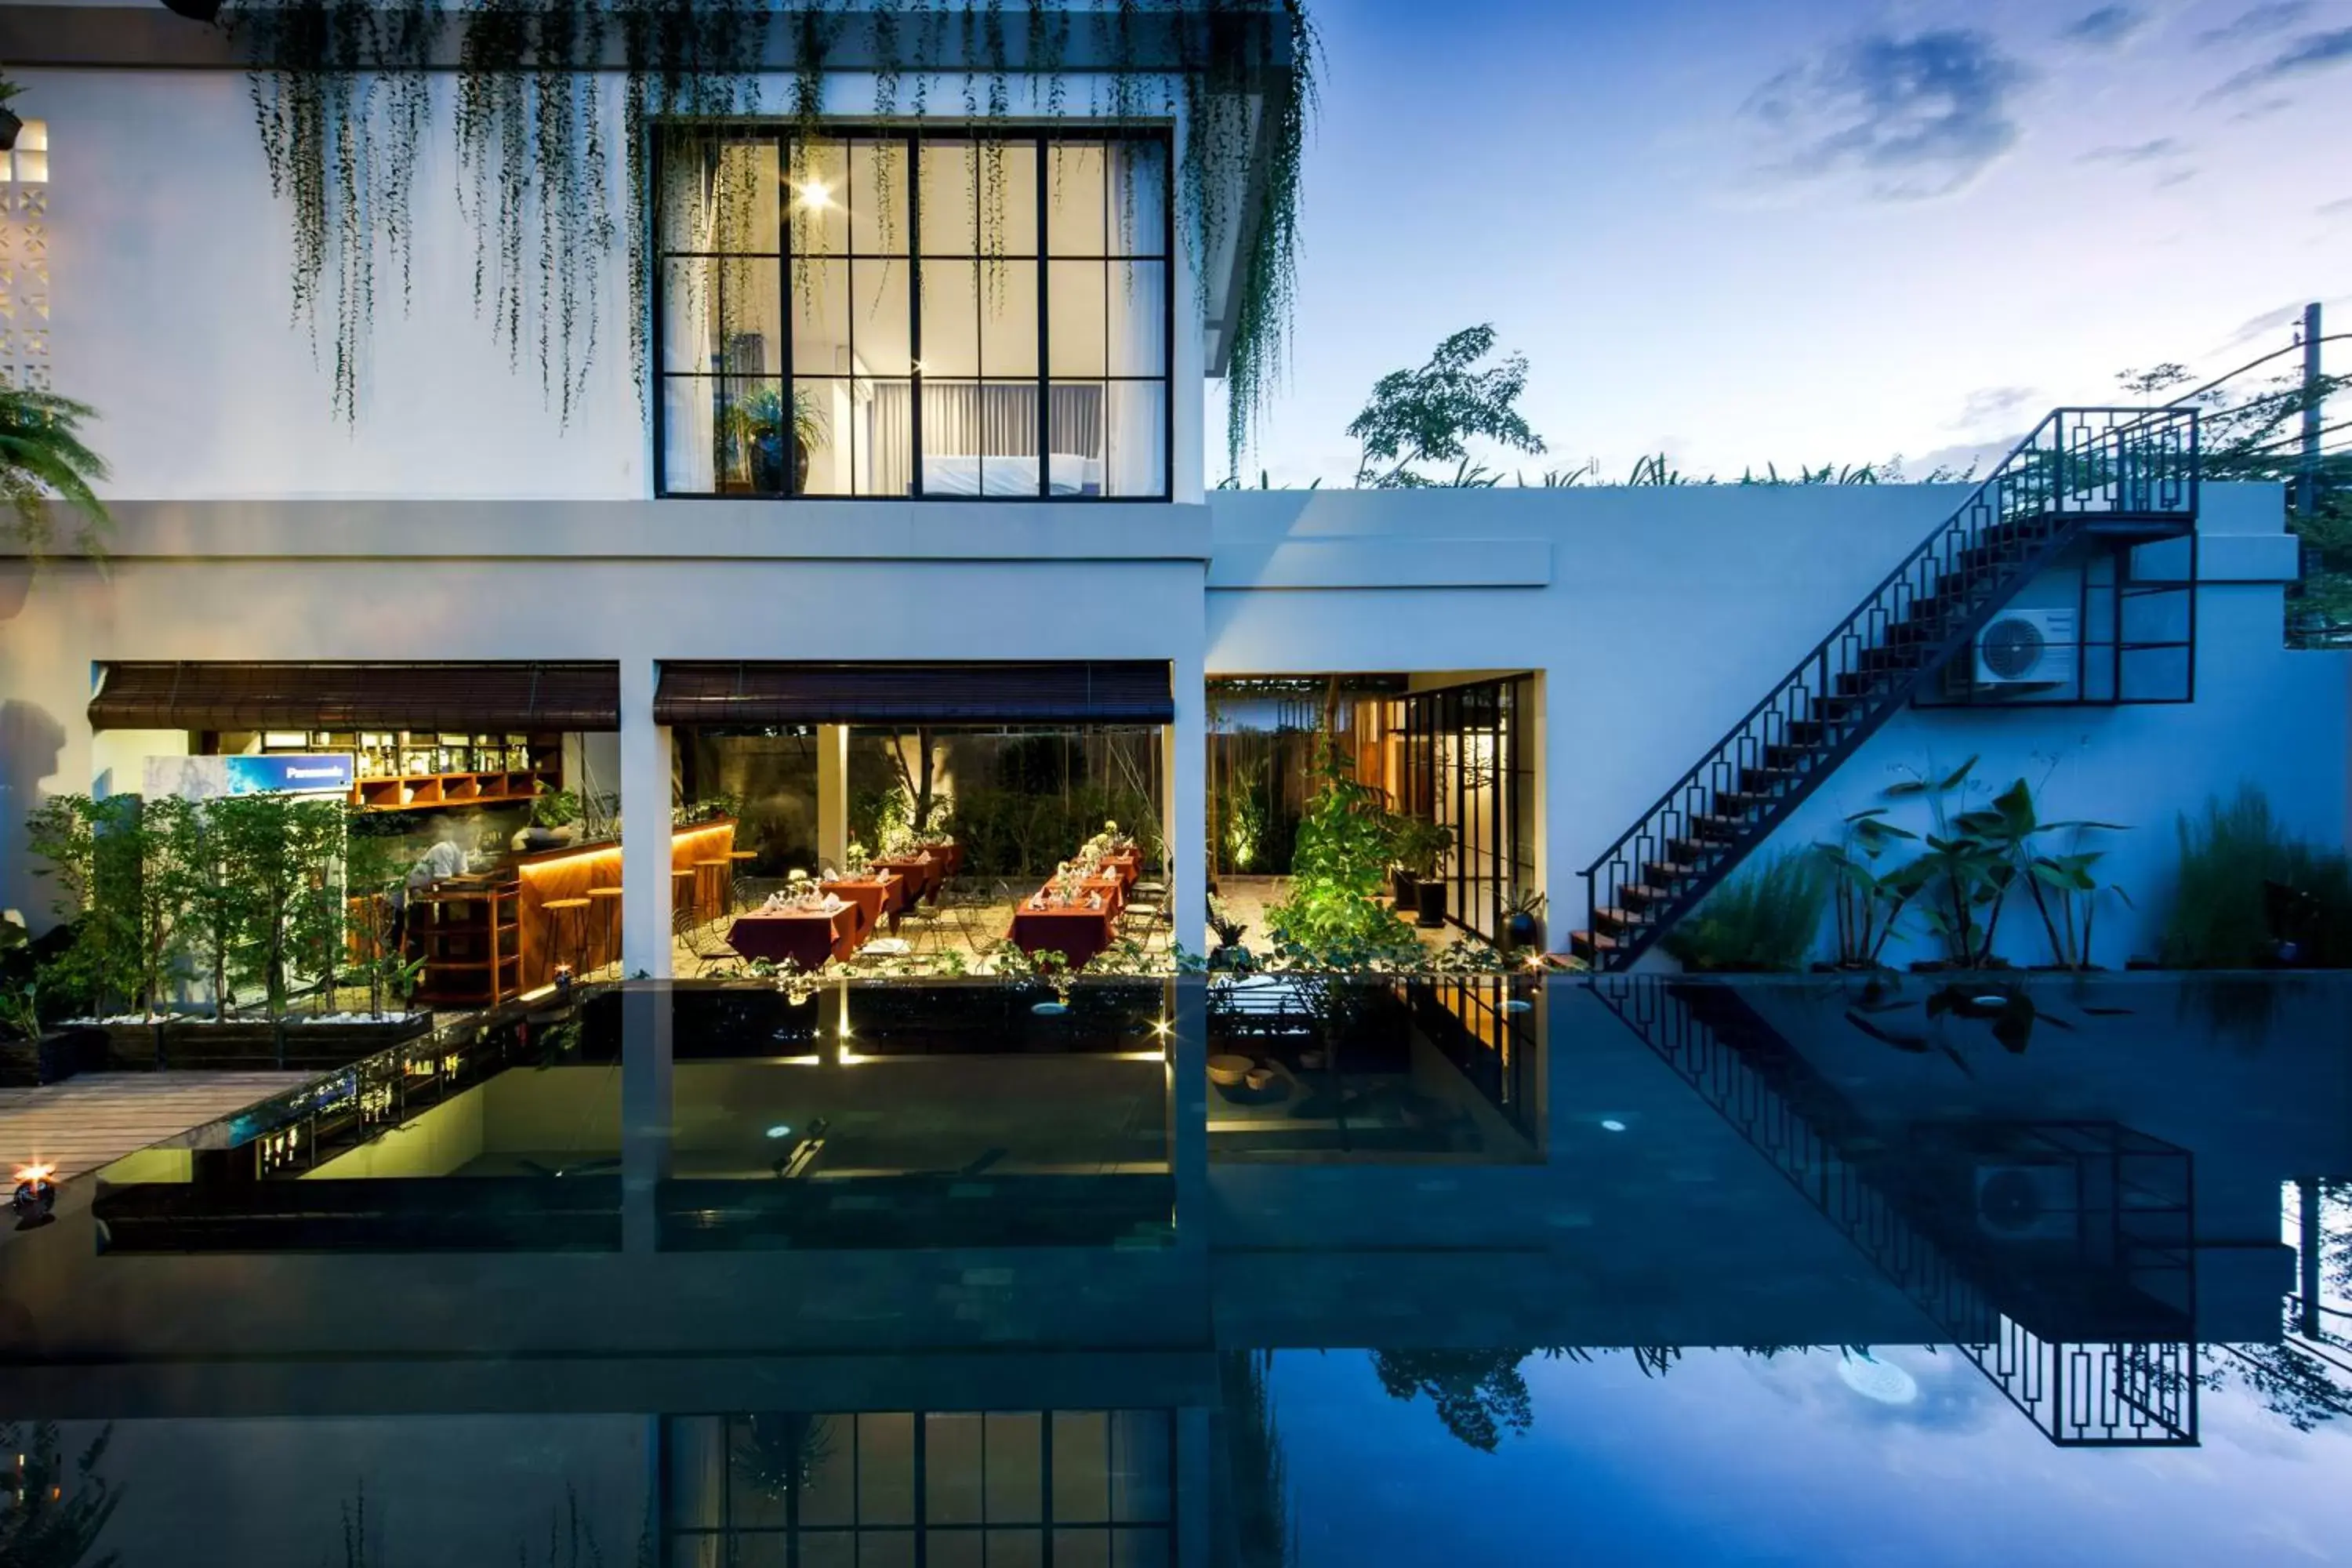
{"x":1079,"y":1488}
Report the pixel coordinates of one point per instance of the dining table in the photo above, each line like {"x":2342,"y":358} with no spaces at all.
{"x":1077,"y":932}
{"x":882,"y":896}
{"x":924,"y":873}
{"x":807,"y":936}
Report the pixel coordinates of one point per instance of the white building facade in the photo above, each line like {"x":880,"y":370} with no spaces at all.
{"x":929,"y":390}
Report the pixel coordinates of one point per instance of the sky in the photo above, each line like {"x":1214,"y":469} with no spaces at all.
{"x":1806,"y":231}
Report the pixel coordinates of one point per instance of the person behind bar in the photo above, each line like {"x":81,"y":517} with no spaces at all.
{"x":443,"y":859}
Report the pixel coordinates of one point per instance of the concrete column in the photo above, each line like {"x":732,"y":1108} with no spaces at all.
{"x":1188,"y":1108}
{"x":646,"y":1055}
{"x":1188,"y":803}
{"x":645,"y":826}
{"x":832,"y":795}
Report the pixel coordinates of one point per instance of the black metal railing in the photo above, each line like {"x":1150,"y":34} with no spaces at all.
{"x":2121,"y":467}
{"x":2127,"y":1393}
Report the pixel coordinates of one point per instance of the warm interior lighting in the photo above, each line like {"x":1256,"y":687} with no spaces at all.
{"x":816,"y":195}
{"x":40,"y":1172}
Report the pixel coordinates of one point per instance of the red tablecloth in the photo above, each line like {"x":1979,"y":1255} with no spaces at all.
{"x":1112,"y":886}
{"x":1128,"y":864}
{"x":880,"y":896}
{"x":806,"y":937}
{"x":1077,"y":934}
{"x":923,"y":873}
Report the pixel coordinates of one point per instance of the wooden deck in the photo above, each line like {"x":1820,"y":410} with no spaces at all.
{"x":94,"y":1119}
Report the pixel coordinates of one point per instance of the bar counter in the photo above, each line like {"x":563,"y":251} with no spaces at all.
{"x":542,"y":876}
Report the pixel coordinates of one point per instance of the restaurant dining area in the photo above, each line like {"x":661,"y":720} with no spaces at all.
{"x":925,"y":819}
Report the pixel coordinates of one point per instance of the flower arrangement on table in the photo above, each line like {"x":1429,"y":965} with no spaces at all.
{"x":897,"y":839}
{"x":1069,"y":884}
{"x":800,"y":893}
{"x":1111,"y":841}
{"x":860,"y":859}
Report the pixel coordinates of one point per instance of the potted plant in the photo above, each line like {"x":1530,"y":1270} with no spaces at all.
{"x":9,"y":123}
{"x":1421,"y":845}
{"x":1229,"y":953}
{"x":1523,"y":926}
{"x":756,"y":426}
{"x":553,"y":819}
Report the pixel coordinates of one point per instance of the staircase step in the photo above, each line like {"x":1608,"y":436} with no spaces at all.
{"x":1668,"y":871}
{"x":1613,"y":920}
{"x":1589,"y":947}
{"x":1640,"y":896}
{"x":1741,"y":801}
{"x":1762,"y":784}
{"x":1717,"y":829}
{"x":1689,"y":852}
{"x":1789,"y":760}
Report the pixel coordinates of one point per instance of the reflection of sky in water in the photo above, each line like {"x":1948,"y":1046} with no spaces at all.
{"x":1732,"y":1458}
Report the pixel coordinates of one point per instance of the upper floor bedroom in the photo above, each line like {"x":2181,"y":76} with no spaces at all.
{"x":620,"y":249}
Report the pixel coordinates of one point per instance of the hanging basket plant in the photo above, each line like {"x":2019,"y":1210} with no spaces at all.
{"x":344,"y":98}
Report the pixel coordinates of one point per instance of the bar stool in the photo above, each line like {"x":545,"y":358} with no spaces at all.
{"x":608,"y":921}
{"x":563,"y":915}
{"x":712,"y":878}
{"x":736,"y":858}
{"x":681,"y":894}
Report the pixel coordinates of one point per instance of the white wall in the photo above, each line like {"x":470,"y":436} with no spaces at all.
{"x":1660,"y":616}
{"x":172,"y":268}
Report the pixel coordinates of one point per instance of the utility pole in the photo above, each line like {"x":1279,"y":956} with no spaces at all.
{"x":2306,"y":494}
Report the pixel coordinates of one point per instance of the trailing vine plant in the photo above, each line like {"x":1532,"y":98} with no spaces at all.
{"x":344,"y":98}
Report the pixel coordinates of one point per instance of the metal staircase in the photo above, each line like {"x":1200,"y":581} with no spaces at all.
{"x":2127,"y":474}
{"x":2113,"y":1369}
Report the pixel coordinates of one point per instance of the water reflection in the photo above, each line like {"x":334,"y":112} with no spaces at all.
{"x":857,"y":1259}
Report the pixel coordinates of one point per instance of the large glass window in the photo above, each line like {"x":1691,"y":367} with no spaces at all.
{"x":916,"y":315}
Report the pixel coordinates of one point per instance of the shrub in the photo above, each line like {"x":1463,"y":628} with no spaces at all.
{"x":1766,"y":918}
{"x":2222,"y":916}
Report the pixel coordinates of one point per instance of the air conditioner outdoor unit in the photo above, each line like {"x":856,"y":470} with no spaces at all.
{"x":2028,"y":1201}
{"x":2027,"y":648}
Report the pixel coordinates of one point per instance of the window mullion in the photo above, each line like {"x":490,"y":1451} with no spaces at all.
{"x":915,"y":312}
{"x":1045,"y":344}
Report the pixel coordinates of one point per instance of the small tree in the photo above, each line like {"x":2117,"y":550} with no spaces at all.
{"x":284,"y":851}
{"x":61,"y":1505}
{"x":165,"y":894}
{"x":374,"y":873}
{"x":203,"y":852}
{"x":1425,"y":415}
{"x":92,"y":849}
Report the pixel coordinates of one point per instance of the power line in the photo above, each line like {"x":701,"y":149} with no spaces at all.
{"x":2293,"y":348}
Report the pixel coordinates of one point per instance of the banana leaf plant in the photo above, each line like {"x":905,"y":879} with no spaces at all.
{"x":1868,"y":901}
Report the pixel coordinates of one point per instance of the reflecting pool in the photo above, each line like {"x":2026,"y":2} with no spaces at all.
{"x":1618,"y":1269}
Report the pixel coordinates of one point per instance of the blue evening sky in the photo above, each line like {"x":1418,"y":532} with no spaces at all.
{"x":1811,"y":230}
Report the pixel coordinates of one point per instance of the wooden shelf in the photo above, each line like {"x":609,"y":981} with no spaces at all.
{"x":417,"y":791}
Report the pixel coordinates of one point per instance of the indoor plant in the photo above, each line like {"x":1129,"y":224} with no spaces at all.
{"x":756,"y":427}
{"x":553,"y":819}
{"x":1523,"y":926}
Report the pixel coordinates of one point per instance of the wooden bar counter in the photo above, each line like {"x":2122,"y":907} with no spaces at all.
{"x":545,"y":875}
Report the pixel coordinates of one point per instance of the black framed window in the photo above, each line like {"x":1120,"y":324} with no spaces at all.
{"x":916,"y":314}
{"x":1469,"y":767}
{"x":2110,"y":626}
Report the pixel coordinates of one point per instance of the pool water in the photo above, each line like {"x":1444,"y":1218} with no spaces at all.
{"x":1639,"y":1271}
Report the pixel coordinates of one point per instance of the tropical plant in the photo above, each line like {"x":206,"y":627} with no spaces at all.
{"x":755,"y":426}
{"x":1418,"y":846}
{"x":1767,"y":918}
{"x":1424,"y":415}
{"x":217,"y":896}
{"x":555,"y":808}
{"x":2239,"y":869}
{"x":20,"y":1007}
{"x":1341,"y":856}
{"x":43,"y":464}
{"x":1867,"y":902}
{"x":374,"y":878}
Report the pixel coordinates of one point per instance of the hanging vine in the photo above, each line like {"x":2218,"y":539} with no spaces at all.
{"x":344,"y":97}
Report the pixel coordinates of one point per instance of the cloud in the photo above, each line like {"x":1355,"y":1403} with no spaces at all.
{"x":1988,"y":404}
{"x":2340,"y":207}
{"x":2257,"y":21}
{"x":2176,"y":177}
{"x":2311,"y":52}
{"x":2108,"y":28}
{"x":2262,"y":325}
{"x":1916,"y":117}
{"x":2135,"y":153}
{"x":2263,"y":110}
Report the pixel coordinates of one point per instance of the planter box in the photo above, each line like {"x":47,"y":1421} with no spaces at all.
{"x":52,"y":1059}
{"x":247,"y":1045}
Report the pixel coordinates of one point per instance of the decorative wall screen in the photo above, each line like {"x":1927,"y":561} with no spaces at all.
{"x":25,"y":260}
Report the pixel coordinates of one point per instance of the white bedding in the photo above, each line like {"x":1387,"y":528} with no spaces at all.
{"x":1071,"y":475}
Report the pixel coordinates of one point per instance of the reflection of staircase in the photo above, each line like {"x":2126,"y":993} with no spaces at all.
{"x":2135,"y":1389}
{"x":2125,"y":474}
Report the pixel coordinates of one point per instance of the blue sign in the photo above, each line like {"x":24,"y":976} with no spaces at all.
{"x":290,"y":774}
